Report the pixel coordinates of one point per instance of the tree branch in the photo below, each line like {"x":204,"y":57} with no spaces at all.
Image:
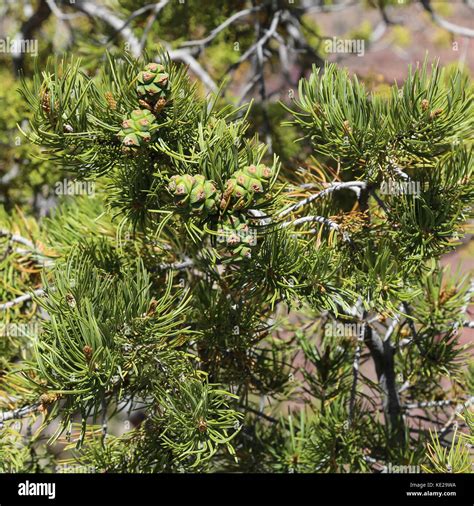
{"x":329,"y":8}
{"x":27,"y":29}
{"x":17,"y":238}
{"x":154,"y":14}
{"x":22,"y":298}
{"x":447,"y":25}
{"x":59,"y":13}
{"x":206,"y":40}
{"x":262,"y":41}
{"x":194,"y":66}
{"x":177,"y":266}
{"x":18,"y":413}
{"x":428,"y":404}
{"x":459,"y":408}
{"x":322,"y":193}
{"x":355,"y":372}
{"x":383,"y":355}
{"x":107,"y":16}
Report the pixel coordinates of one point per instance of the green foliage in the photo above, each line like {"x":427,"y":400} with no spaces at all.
{"x":417,"y":125}
{"x":457,"y":457}
{"x":11,"y":443}
{"x":25,"y":175}
{"x":188,"y":308}
{"x":198,"y":420}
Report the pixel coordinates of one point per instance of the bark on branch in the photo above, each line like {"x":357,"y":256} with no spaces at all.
{"x":26,"y":32}
{"x":383,"y":355}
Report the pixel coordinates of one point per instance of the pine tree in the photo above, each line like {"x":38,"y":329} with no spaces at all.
{"x":209,"y":309}
{"x":235,"y":46}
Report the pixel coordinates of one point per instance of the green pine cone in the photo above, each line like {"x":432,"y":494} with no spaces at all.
{"x":238,"y":236}
{"x":245,"y":185}
{"x":209,"y":204}
{"x":194,"y":194}
{"x":260,"y":172}
{"x":137,"y":130}
{"x":181,"y":186}
{"x":251,"y":184}
{"x":153,"y":83}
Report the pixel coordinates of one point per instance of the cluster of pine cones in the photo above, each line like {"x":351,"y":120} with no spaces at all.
{"x":194,"y":195}
{"x":197,"y":195}
{"x":153,"y":90}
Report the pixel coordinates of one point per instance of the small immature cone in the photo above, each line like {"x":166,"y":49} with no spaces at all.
{"x":436,"y":113}
{"x":245,"y":185}
{"x":153,"y":85}
{"x":160,"y":105}
{"x":202,"y":425}
{"x":46,"y":102}
{"x":194,"y":194}
{"x":136,"y":130}
{"x":110,"y":100}
{"x":239,"y":239}
{"x":46,"y":400}
{"x":71,"y":300}
{"x":88,"y":351}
